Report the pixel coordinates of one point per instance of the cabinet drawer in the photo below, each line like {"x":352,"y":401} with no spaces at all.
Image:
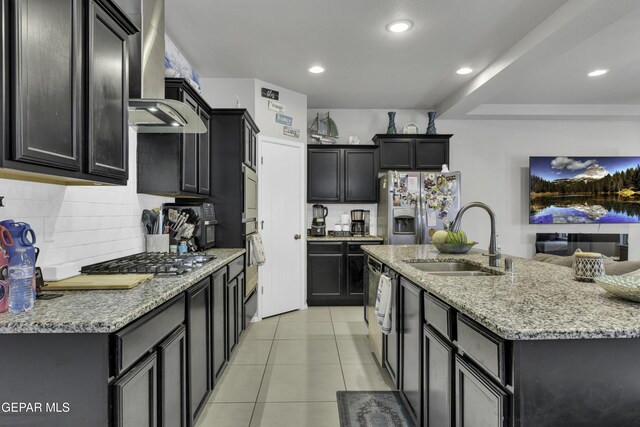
{"x":236,"y":267}
{"x":136,"y":339}
{"x":356,"y":247}
{"x":482,"y":346}
{"x":438,"y":315}
{"x":324,"y":247}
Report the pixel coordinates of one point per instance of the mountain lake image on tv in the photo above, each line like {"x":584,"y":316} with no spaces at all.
{"x":584,"y":190}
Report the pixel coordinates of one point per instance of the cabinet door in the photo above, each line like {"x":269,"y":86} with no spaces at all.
{"x":199,"y":348}
{"x":219,"y":284}
{"x":254,"y":150}
{"x":324,"y":175}
{"x":397,"y":153}
{"x":391,"y":341}
{"x":240,"y":306}
{"x":135,"y":395}
{"x":247,"y":136}
{"x":361,"y":175}
{"x":172,"y":378}
{"x":479,"y":402}
{"x":432,"y":153}
{"x":190,"y":155}
{"x":47,"y":82}
{"x":231,"y":311}
{"x":108,"y":131}
{"x":324,"y":275}
{"x":437,"y":365}
{"x":355,"y":275}
{"x":204,"y":158}
{"x":411,"y":344}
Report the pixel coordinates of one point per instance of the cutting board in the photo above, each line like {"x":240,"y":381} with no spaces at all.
{"x":86,"y":282}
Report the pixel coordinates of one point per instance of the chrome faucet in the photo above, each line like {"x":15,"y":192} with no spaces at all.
{"x":494,"y":257}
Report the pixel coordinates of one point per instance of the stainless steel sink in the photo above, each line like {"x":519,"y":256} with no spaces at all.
{"x":452,"y":268}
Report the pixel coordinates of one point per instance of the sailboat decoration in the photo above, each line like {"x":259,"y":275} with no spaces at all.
{"x":323,"y":129}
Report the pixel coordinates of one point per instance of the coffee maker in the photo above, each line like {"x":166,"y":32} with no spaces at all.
{"x":318,"y":224}
{"x":357,"y":222}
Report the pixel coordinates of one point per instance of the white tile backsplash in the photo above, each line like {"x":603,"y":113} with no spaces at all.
{"x":90,"y":224}
{"x":336,"y":210}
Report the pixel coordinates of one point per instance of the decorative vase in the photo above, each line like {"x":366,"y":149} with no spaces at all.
{"x":391,"y":129}
{"x":431,"y":127}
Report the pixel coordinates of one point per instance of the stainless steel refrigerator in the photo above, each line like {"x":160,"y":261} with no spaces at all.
{"x":414,"y":205}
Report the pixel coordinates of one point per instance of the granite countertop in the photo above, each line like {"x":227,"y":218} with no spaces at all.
{"x":539,"y":302}
{"x":107,"y":311}
{"x":345,"y":239}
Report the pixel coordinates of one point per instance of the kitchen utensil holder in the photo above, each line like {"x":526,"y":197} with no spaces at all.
{"x":157,"y":242}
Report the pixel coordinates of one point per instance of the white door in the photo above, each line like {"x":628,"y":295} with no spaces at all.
{"x":281,"y":213}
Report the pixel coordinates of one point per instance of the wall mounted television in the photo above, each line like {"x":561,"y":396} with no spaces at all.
{"x":584,"y":190}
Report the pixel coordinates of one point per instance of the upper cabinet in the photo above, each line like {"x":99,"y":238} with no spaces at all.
{"x":179,"y":164}
{"x":413,"y":151}
{"x":342,"y":174}
{"x":65,"y":96}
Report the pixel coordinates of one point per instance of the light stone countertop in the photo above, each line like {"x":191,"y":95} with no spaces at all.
{"x":540,"y":302}
{"x":345,"y":239}
{"x":108,"y":310}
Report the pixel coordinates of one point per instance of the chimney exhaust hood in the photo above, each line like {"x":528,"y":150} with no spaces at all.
{"x":149,"y":111}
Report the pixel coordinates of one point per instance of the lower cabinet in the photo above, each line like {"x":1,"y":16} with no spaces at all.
{"x":172,"y":379}
{"x":411,"y":345}
{"x":479,"y":402}
{"x":231,"y":307}
{"x":136,"y":395}
{"x":199,"y":346}
{"x":219,"y":287}
{"x":437,"y":380}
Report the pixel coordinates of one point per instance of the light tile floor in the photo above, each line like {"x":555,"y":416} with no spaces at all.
{"x":287,"y":369}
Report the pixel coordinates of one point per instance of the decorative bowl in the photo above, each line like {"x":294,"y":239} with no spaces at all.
{"x":626,"y":287}
{"x":454,"y":248}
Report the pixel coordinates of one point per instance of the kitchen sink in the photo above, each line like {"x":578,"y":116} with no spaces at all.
{"x":453,"y":268}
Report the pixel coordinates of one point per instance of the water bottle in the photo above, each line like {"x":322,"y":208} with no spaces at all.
{"x":21,"y":273}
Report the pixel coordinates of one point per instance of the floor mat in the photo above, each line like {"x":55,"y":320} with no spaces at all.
{"x":373,"y":409}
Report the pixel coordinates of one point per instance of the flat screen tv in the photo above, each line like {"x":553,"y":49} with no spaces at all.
{"x":584,"y":190}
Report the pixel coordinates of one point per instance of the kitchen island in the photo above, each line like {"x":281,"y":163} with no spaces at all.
{"x":96,"y":358}
{"x":529,"y":349}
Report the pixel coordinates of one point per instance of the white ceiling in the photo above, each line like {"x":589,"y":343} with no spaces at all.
{"x":526,"y":55}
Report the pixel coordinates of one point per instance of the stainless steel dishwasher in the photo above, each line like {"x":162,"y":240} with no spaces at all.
{"x":373,"y":271}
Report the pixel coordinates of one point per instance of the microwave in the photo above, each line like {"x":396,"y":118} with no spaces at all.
{"x":205,"y":232}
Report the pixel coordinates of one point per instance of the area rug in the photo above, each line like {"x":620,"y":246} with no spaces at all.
{"x":373,"y":409}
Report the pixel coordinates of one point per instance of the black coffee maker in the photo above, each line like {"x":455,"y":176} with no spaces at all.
{"x":357,"y":223}
{"x":318,"y":224}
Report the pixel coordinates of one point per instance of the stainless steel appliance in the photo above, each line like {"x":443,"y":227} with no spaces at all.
{"x":367,"y":223}
{"x":205,"y":231}
{"x":357,"y":222}
{"x":250,"y":183}
{"x":318,"y":224}
{"x":414,"y":205}
{"x":374,"y":270}
{"x":151,"y":262}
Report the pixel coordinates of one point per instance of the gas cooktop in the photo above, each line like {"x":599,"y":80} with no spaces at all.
{"x":151,"y":262}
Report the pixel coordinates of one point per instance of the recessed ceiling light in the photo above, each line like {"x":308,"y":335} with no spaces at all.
{"x":399,"y":26}
{"x":596,"y":73}
{"x":464,"y":70}
{"x":316,"y":69}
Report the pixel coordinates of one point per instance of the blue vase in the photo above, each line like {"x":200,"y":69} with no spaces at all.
{"x":431,"y":127}
{"x":391,"y":129}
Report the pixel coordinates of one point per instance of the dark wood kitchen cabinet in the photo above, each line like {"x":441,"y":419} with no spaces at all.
{"x":437,"y":380}
{"x":413,"y":151}
{"x":250,"y":147}
{"x":219,"y":285}
{"x":199,"y":311}
{"x":335,"y":272}
{"x":233,"y":308}
{"x":177,"y":165}
{"x":342,"y":174}
{"x":66,"y":94}
{"x":411,"y":345}
{"x":172,"y":379}
{"x":136,"y":395}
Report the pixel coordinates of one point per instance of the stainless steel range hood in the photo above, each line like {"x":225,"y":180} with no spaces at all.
{"x":149,"y":111}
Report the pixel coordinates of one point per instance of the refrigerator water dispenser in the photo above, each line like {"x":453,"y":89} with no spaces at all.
{"x":404,"y":221}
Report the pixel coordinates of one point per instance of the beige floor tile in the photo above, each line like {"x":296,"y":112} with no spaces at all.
{"x":252,"y":352}
{"x":304,"y":352}
{"x":301,"y":383}
{"x":347,"y":314}
{"x":261,"y":331}
{"x":355,"y":352}
{"x":226,"y":415}
{"x":304,"y":331}
{"x":366,"y":377}
{"x":239,"y":383}
{"x":307,"y":414}
{"x":312,"y":314}
{"x":351,"y":330}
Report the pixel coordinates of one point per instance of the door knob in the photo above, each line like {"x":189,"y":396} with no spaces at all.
{"x":297,"y":236}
